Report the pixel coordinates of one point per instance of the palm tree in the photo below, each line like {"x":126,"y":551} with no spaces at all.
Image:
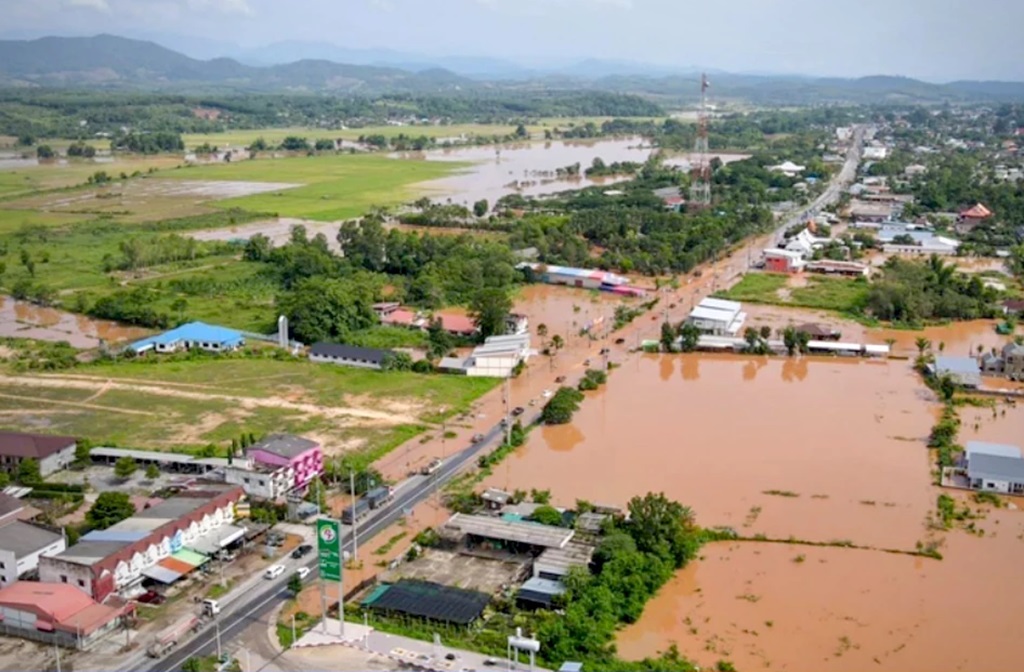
{"x":557,"y":342}
{"x":942,"y":346}
{"x":890,"y":342}
{"x":542,"y":330}
{"x":922,"y":344}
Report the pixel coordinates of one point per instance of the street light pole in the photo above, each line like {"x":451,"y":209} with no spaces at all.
{"x":217,"y":624}
{"x":355,"y":533}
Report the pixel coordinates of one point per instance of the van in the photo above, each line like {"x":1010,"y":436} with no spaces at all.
{"x":273,"y":572}
{"x":211,"y":608}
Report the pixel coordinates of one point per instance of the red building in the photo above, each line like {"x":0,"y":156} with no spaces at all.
{"x":972,"y":217}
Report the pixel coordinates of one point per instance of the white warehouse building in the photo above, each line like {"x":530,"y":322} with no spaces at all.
{"x":718,"y":317}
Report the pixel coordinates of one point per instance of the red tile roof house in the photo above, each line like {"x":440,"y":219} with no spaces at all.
{"x":972,"y":217}
{"x":305,"y":457}
{"x":57,"y":613}
{"x":53,"y":453}
{"x":460,"y":325}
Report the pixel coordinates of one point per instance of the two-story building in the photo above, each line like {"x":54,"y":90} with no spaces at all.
{"x":53,"y":453}
{"x":261,"y":480}
{"x":163,"y":542}
{"x":304,"y":457}
{"x":21,"y":543}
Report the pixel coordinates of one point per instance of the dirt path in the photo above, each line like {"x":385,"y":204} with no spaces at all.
{"x":73,"y":404}
{"x":158,"y":389}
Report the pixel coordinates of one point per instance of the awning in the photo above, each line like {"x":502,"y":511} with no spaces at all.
{"x":212,"y":542}
{"x":161,"y":574}
{"x":190,"y":557}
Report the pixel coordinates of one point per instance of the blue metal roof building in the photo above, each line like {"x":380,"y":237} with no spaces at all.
{"x":192,"y":335}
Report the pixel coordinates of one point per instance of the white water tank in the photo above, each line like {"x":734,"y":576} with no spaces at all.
{"x":282,"y":332}
{"x":520,"y":643}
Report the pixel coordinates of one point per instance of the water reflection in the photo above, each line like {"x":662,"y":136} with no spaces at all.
{"x":526,"y":168}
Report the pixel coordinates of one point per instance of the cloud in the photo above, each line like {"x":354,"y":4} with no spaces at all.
{"x":98,"y":5}
{"x":221,"y":6}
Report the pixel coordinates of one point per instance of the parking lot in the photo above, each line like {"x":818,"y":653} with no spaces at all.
{"x":461,"y":571}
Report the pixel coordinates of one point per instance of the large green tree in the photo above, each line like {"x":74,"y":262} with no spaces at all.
{"x":109,"y":509}
{"x":490,"y":309}
{"x":323,"y":309}
{"x":661,"y":526}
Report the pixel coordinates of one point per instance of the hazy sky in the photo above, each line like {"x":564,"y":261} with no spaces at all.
{"x":930,"y":39}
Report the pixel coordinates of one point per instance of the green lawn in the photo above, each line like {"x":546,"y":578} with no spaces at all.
{"x":159,"y":420}
{"x":757,"y":288}
{"x":335,"y":186}
{"x":838,"y":294}
{"x":12,"y":220}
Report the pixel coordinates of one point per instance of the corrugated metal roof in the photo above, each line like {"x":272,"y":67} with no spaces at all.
{"x":986,"y":448}
{"x":162,"y":574}
{"x":116,"y":535}
{"x":720,"y":304}
{"x":191,"y":557}
{"x":996,"y":468}
{"x":534,"y":534}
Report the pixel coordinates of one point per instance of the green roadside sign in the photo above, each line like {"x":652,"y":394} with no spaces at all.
{"x":328,"y":544}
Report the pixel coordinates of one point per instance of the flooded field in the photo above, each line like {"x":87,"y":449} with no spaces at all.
{"x":24,"y":320}
{"x":667,"y":423}
{"x":527,"y":168}
{"x":155,"y":195}
{"x":797,"y":608}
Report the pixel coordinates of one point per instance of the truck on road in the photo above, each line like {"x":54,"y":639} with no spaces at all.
{"x":167,"y":639}
{"x":378,"y":496}
{"x":355,"y":512}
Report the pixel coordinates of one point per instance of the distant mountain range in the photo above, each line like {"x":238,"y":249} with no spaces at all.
{"x":107,"y":61}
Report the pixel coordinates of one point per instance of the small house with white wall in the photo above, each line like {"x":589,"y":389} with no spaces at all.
{"x":349,"y":355}
{"x":194,"y":335}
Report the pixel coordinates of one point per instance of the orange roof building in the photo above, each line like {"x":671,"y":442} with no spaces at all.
{"x":70,"y":616}
{"x":977,"y":211}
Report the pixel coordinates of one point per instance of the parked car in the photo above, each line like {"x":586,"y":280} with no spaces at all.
{"x":477,"y":438}
{"x":518,"y":410}
{"x":301,"y":551}
{"x":151,"y":597}
{"x":547,"y":394}
{"x":302,"y":572}
{"x":273,"y":572}
{"x":491,"y":662}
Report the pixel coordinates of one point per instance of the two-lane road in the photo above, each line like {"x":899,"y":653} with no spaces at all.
{"x":238,"y":614}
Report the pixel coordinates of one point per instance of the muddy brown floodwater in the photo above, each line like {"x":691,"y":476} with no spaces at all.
{"x":841,"y":444}
{"x":834,"y":432}
{"x":527,"y":168}
{"x":24,"y":320}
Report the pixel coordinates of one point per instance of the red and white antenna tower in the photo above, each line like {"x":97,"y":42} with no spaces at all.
{"x":700,"y":188}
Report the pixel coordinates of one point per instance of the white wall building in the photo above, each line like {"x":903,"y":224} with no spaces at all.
{"x":260,"y":480}
{"x":718,"y":317}
{"x":21,"y":546}
{"x":496,"y":358}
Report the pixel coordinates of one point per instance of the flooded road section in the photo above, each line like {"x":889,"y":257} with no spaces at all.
{"x":839,"y":443}
{"x":527,"y":168}
{"x":25,"y":320}
{"x":799,"y":608}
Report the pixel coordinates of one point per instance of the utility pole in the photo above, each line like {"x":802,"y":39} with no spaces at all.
{"x":216,"y":622}
{"x":508,"y":402}
{"x":56,"y":651}
{"x":293,"y":631}
{"x":355,"y":534}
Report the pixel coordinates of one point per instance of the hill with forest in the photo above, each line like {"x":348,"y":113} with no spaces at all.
{"x":111,"y":62}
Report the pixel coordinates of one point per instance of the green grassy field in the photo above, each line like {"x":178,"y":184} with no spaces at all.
{"x":757,"y":288}
{"x":14,"y":183}
{"x":336,"y":186}
{"x":186,"y":404}
{"x":13,"y":220}
{"x":838,"y":294}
